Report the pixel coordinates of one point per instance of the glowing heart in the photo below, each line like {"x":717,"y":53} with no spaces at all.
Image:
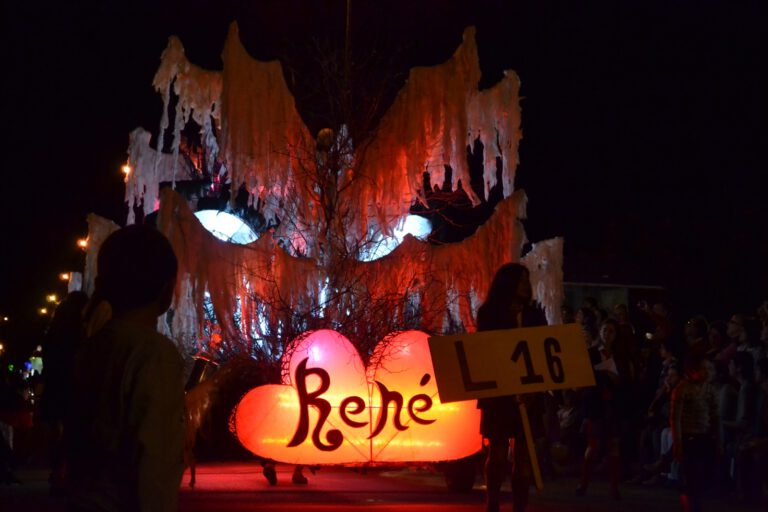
{"x":330,"y":410}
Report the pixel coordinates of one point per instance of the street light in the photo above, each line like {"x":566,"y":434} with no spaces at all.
{"x":126,"y":169}
{"x":64,"y":276}
{"x":6,"y":319}
{"x":43,"y":311}
{"x":52,"y":298}
{"x":82,"y":243}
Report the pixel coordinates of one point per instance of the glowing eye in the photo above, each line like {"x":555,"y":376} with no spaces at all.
{"x":226,"y":226}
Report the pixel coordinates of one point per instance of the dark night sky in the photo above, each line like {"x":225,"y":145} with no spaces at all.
{"x":644,"y":122}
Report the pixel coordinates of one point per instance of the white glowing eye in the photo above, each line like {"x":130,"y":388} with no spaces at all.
{"x":414,"y":225}
{"x":226,"y":226}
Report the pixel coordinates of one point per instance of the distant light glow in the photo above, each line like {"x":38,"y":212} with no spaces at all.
{"x":64,"y":276}
{"x":226,"y":226}
{"x":52,"y":298}
{"x":414,"y":225}
{"x":43,"y":311}
{"x":126,"y":169}
{"x":82,"y":243}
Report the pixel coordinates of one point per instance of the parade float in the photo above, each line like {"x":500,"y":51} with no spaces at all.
{"x":313,"y":274}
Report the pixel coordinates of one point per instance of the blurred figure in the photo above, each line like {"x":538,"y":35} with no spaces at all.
{"x":762,"y":314}
{"x":752,"y":343}
{"x":717,"y":341}
{"x":11,"y":407}
{"x":694,"y":424}
{"x":603,"y":407}
{"x":61,"y":341}
{"x":297,"y":477}
{"x":658,"y":318}
{"x":742,"y":428}
{"x":588,"y":321}
{"x":128,"y":398}
{"x":568,"y":315}
{"x":696,"y":335}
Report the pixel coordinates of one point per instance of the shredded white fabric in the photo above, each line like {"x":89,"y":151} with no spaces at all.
{"x":545,"y":264}
{"x":99,"y":229}
{"x":249,"y":125}
{"x":148,"y":168}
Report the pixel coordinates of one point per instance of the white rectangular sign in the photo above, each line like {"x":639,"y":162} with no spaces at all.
{"x":509,"y":362}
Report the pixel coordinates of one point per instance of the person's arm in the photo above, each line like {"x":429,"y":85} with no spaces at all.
{"x":741,"y":422}
{"x":675,"y":420}
{"x":714,"y":419}
{"x":159,"y":417}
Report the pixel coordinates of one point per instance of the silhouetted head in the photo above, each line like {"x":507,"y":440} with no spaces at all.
{"x":136,"y":269}
{"x":609,"y":331}
{"x":696,"y":329}
{"x":511,"y":283}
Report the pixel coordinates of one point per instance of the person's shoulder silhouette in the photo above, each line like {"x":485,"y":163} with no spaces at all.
{"x":127,"y":443}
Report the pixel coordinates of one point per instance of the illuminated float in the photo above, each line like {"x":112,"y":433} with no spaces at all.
{"x":326,"y":207}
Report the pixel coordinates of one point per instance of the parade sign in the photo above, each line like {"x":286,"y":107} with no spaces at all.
{"x":330,"y":409}
{"x":509,"y":362}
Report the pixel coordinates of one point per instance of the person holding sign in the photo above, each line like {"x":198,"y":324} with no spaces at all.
{"x":602,"y":409}
{"x":507,"y":306}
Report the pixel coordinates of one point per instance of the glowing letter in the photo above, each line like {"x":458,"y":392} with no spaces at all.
{"x":335,"y":438}
{"x":388,"y":396}
{"x":423,"y":398}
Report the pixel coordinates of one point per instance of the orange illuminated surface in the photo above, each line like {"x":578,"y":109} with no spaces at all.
{"x":329,"y":409}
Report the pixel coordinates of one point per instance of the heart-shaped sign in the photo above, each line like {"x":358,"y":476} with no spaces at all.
{"x":331,"y":410}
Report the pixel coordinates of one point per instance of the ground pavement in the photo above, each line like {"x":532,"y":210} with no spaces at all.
{"x":241,"y":487}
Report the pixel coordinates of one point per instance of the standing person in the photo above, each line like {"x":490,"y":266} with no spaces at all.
{"x":62,"y":339}
{"x":507,"y":306}
{"x":128,"y":401}
{"x":603,"y":409}
{"x":695,"y":425}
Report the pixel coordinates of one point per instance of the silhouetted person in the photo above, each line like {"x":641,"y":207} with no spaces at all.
{"x":128,"y":402}
{"x":507,"y":306}
{"x":695,"y":425}
{"x":603,"y":410}
{"x":62,"y":339}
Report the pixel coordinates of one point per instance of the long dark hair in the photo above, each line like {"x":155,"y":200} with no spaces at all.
{"x":504,"y":285}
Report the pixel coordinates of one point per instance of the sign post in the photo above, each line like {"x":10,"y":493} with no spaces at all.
{"x":511,"y":362}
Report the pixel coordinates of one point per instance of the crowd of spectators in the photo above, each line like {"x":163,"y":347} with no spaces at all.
{"x":628,"y":427}
{"x":629,"y":424}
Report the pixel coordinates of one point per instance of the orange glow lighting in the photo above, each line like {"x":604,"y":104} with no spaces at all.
{"x":330,"y":409}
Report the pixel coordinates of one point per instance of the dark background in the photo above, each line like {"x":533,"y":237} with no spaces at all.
{"x":644,"y":123}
